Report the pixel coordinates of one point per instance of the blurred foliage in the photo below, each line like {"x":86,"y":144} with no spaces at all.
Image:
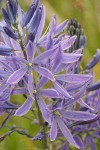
{"x":87,"y":12}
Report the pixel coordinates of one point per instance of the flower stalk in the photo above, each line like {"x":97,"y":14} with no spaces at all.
{"x":46,"y":70}
{"x":40,"y":118}
{"x":42,"y":127}
{"x":21,"y":42}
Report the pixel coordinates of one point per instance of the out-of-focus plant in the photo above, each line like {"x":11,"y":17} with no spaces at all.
{"x":46,"y":70}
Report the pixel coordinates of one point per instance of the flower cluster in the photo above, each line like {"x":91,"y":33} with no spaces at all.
{"x":46,"y":70}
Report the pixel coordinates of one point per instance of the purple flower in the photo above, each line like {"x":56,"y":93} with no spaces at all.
{"x":5,"y":50}
{"x":94,"y":60}
{"x":30,"y":13}
{"x":46,"y":70}
{"x":25,"y":107}
{"x":10,"y":33}
{"x":7,"y":106}
{"x":94,"y":86}
{"x":61,"y":116}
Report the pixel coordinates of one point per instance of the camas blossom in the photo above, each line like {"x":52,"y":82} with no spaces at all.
{"x":45,"y":69}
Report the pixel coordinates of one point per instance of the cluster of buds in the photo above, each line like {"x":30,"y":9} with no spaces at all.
{"x":42,"y":68}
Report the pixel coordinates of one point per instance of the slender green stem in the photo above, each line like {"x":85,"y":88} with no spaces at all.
{"x":21,"y":44}
{"x":20,"y":40}
{"x":40,"y":118}
{"x":42,"y":127}
{"x":41,"y":122}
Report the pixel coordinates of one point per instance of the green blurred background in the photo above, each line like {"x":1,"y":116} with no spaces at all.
{"x":87,"y":12}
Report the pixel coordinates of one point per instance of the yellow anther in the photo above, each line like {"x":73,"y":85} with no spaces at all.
{"x":30,"y":64}
{"x":55,"y":76}
{"x":62,"y":38}
{"x":35,"y":91}
{"x":0,"y":84}
{"x":57,"y":113}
